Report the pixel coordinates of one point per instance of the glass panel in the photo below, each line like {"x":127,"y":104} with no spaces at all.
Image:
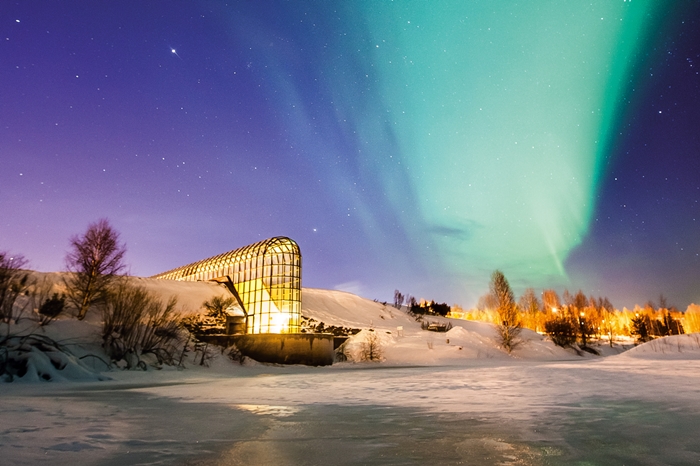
{"x":267,"y":277}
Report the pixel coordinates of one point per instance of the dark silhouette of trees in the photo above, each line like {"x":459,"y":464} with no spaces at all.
{"x":657,"y":322}
{"x":509,"y":326}
{"x":576,"y":306}
{"x":94,"y":260}
{"x":640,"y":327}
{"x":399,"y":299}
{"x":216,"y":308}
{"x":14,"y":282}
{"x":561,"y":330}
{"x":568,"y":322}
{"x":667,"y":324}
{"x":51,"y":308}
{"x":431,"y":308}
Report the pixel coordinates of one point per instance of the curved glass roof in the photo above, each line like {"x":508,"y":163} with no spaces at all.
{"x":265,"y":278}
{"x":208,"y":269}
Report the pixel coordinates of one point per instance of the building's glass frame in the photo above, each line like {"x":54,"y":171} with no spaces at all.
{"x":265,"y":278}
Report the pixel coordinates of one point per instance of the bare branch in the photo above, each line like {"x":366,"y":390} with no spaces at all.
{"x":94,"y":259}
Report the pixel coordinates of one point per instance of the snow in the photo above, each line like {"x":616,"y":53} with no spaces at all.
{"x":671,"y":347}
{"x":190,"y":295}
{"x":444,"y":398}
{"x":467,"y":340}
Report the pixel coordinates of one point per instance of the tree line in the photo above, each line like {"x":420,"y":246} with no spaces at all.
{"x":569,"y":319}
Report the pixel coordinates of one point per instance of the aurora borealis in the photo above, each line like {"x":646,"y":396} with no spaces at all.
{"x":411,"y":145}
{"x":512,"y":126}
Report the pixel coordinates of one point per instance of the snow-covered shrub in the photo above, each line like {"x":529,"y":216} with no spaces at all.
{"x":36,"y":358}
{"x":51,"y":308}
{"x":135,"y":322}
{"x":370,"y":347}
{"x":235,"y":355}
{"x":367,"y":345}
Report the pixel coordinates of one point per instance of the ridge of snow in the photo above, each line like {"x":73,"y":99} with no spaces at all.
{"x":685,"y":346}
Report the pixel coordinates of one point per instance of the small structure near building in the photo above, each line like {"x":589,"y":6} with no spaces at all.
{"x":265,"y":280}
{"x":235,"y":321}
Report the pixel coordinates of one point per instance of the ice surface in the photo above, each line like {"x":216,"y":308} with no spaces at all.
{"x":613,"y":411}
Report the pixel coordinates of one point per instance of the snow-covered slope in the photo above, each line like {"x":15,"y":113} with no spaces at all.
{"x":672,"y":347}
{"x":348,"y":310}
{"x":402,"y":341}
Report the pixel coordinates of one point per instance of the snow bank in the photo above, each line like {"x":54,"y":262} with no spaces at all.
{"x":672,"y":347}
{"x":34,"y":354}
{"x":44,"y":364}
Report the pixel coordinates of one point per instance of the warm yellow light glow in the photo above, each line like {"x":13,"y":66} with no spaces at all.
{"x":617,"y":323}
{"x":266,"y":279}
{"x":280,"y":322}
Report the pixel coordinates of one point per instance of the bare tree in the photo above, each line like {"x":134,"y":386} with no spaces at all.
{"x":14,"y":282}
{"x":531,"y":308}
{"x":576,"y":306}
{"x":94,"y":259}
{"x":509,"y":326}
{"x":371,"y":348}
{"x":529,"y":301}
{"x":487,"y":302}
{"x":398,"y":299}
{"x":216,"y":308}
{"x":550,"y":301}
{"x":609,"y":312}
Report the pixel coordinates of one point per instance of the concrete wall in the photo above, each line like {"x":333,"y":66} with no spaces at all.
{"x":311,"y":349}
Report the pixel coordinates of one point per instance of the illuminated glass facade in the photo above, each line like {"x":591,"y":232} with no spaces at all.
{"x":265,"y":278}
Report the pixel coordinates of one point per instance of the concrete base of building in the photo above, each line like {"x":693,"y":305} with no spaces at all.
{"x":310,"y":349}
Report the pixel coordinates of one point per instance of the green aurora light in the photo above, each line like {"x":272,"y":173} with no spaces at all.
{"x":502,"y":113}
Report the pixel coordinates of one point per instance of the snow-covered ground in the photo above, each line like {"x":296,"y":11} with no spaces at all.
{"x":437,"y":398}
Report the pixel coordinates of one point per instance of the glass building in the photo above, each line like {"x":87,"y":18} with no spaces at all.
{"x":265,"y":279}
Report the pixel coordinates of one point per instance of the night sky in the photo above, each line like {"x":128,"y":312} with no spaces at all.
{"x":403,"y":144}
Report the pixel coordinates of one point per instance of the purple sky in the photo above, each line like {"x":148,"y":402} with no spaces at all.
{"x":201,"y":127}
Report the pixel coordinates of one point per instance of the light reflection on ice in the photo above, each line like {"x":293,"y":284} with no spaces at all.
{"x":269,"y":410}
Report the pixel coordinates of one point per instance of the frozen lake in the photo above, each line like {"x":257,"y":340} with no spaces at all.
{"x":611,"y":411}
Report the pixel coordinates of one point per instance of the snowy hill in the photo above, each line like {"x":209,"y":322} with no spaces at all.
{"x":672,"y":347}
{"x":467,"y":340}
